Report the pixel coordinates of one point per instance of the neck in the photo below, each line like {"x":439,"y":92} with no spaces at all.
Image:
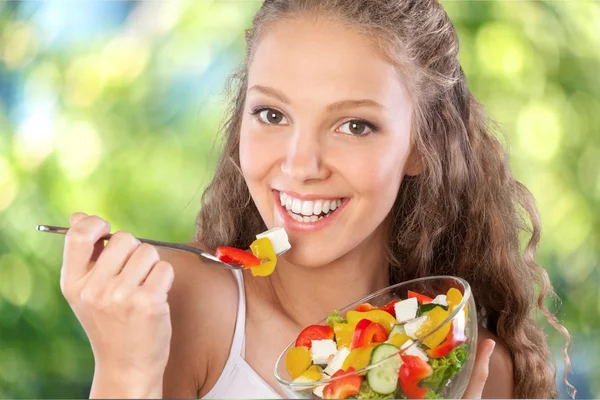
{"x":306,"y":295}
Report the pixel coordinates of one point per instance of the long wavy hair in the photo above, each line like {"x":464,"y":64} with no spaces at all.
{"x":463,"y":215}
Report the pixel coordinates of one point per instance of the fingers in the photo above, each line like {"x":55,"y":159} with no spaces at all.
{"x":80,"y":243}
{"x":480,"y":370}
{"x":76,"y":217}
{"x":117,"y":252}
{"x":137,"y":268}
{"x":160,"y":277}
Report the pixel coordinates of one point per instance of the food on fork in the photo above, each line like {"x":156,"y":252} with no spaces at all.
{"x":262,"y":257}
{"x":410,"y":349}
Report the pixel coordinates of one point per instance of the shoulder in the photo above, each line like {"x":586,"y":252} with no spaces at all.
{"x":500,"y":383}
{"x":203,"y":305}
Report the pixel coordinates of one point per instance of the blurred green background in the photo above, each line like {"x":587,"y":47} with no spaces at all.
{"x":111,"y":107}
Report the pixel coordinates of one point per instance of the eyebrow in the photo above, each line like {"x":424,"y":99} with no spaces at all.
{"x":333,"y":107}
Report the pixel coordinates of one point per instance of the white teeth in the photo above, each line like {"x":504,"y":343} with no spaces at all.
{"x":295,"y":216}
{"x":307,"y":208}
{"x":333,"y":205}
{"x":297,"y":206}
{"x":318,"y":207}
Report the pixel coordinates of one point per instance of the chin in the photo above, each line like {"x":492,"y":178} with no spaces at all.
{"x":312,"y":256}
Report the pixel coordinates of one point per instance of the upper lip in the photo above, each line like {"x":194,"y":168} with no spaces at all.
{"x":309,"y":196}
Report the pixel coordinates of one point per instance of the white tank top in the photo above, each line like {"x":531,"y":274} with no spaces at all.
{"x":238,"y":379}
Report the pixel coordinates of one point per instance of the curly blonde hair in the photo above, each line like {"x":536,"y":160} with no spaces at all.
{"x":461,"y":216}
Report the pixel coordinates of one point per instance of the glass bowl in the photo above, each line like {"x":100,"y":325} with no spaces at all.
{"x":428,"y":352}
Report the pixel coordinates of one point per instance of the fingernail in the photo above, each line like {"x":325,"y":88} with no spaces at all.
{"x":492,"y":348}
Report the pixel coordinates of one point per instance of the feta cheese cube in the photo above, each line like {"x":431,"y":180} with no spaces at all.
{"x":337,"y":362}
{"x":406,"y":309}
{"x":321,"y":350}
{"x":413,"y":350}
{"x":441,"y":300}
{"x":411,"y":327}
{"x":318,"y":391}
{"x":278,"y":238}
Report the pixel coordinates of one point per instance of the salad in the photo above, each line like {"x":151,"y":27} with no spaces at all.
{"x":411,"y":353}
{"x":262,"y":257}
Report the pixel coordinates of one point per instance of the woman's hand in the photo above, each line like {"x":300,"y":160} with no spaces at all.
{"x":119,"y":294}
{"x":480,"y":370}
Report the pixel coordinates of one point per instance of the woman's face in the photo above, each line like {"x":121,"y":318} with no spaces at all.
{"x":325,"y":138}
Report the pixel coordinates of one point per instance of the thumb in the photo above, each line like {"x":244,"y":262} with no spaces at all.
{"x":480,"y":372}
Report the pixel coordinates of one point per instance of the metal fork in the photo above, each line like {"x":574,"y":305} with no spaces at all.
{"x":176,"y":246}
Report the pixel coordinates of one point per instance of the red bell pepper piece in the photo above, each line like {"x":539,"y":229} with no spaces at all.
{"x":314,"y":332}
{"x":411,"y":372}
{"x":365,"y":307}
{"x":368,"y":332}
{"x":455,"y":338}
{"x":343,"y":387}
{"x":232,"y":255}
{"x":389,"y":308}
{"x":421,"y":298}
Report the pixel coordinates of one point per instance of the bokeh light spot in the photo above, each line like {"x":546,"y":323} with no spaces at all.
{"x":571,"y":216}
{"x":8,"y":184}
{"x":34,"y":140}
{"x":18,"y":45}
{"x":84,"y":81}
{"x":123,"y":59}
{"x":500,"y":49}
{"x":17,"y":281}
{"x":538,"y":131}
{"x":79,"y":149}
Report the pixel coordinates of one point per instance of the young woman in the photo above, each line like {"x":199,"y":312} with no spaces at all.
{"x":355,"y":106}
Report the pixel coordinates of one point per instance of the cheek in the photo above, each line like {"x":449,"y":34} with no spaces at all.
{"x":253,"y":155}
{"x":379,"y":173}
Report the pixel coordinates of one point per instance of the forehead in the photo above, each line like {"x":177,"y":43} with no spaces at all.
{"x":301,"y":56}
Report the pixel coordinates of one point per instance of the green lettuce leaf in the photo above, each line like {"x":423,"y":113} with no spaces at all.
{"x":335,"y":317}
{"x":445,"y":368}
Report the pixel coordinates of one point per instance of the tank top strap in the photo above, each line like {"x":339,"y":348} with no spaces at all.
{"x":239,"y":334}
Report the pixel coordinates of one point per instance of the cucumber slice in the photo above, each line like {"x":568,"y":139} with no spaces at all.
{"x":384,"y":378}
{"x":397,"y":329}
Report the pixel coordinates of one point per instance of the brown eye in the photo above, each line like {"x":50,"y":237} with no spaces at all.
{"x":356,"y":127}
{"x":271,"y":117}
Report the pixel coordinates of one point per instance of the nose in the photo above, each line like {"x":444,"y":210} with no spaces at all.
{"x":303,"y":159}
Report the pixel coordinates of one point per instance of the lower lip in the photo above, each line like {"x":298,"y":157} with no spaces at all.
{"x":292,"y":224}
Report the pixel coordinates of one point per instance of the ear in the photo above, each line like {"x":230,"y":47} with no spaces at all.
{"x":414,"y":164}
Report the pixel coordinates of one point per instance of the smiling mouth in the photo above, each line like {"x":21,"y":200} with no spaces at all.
{"x":309,"y":210}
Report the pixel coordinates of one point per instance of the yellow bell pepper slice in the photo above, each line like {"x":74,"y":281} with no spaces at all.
{"x":358,"y":358}
{"x":343,"y":334}
{"x":434,"y":318}
{"x":379,"y":316}
{"x":263,"y":249}
{"x":454,"y":297}
{"x":398,"y":339}
{"x":297,"y":361}
{"x":312,"y":374}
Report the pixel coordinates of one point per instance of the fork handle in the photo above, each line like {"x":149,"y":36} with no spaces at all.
{"x":177,"y":246}
{"x":63,"y":231}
